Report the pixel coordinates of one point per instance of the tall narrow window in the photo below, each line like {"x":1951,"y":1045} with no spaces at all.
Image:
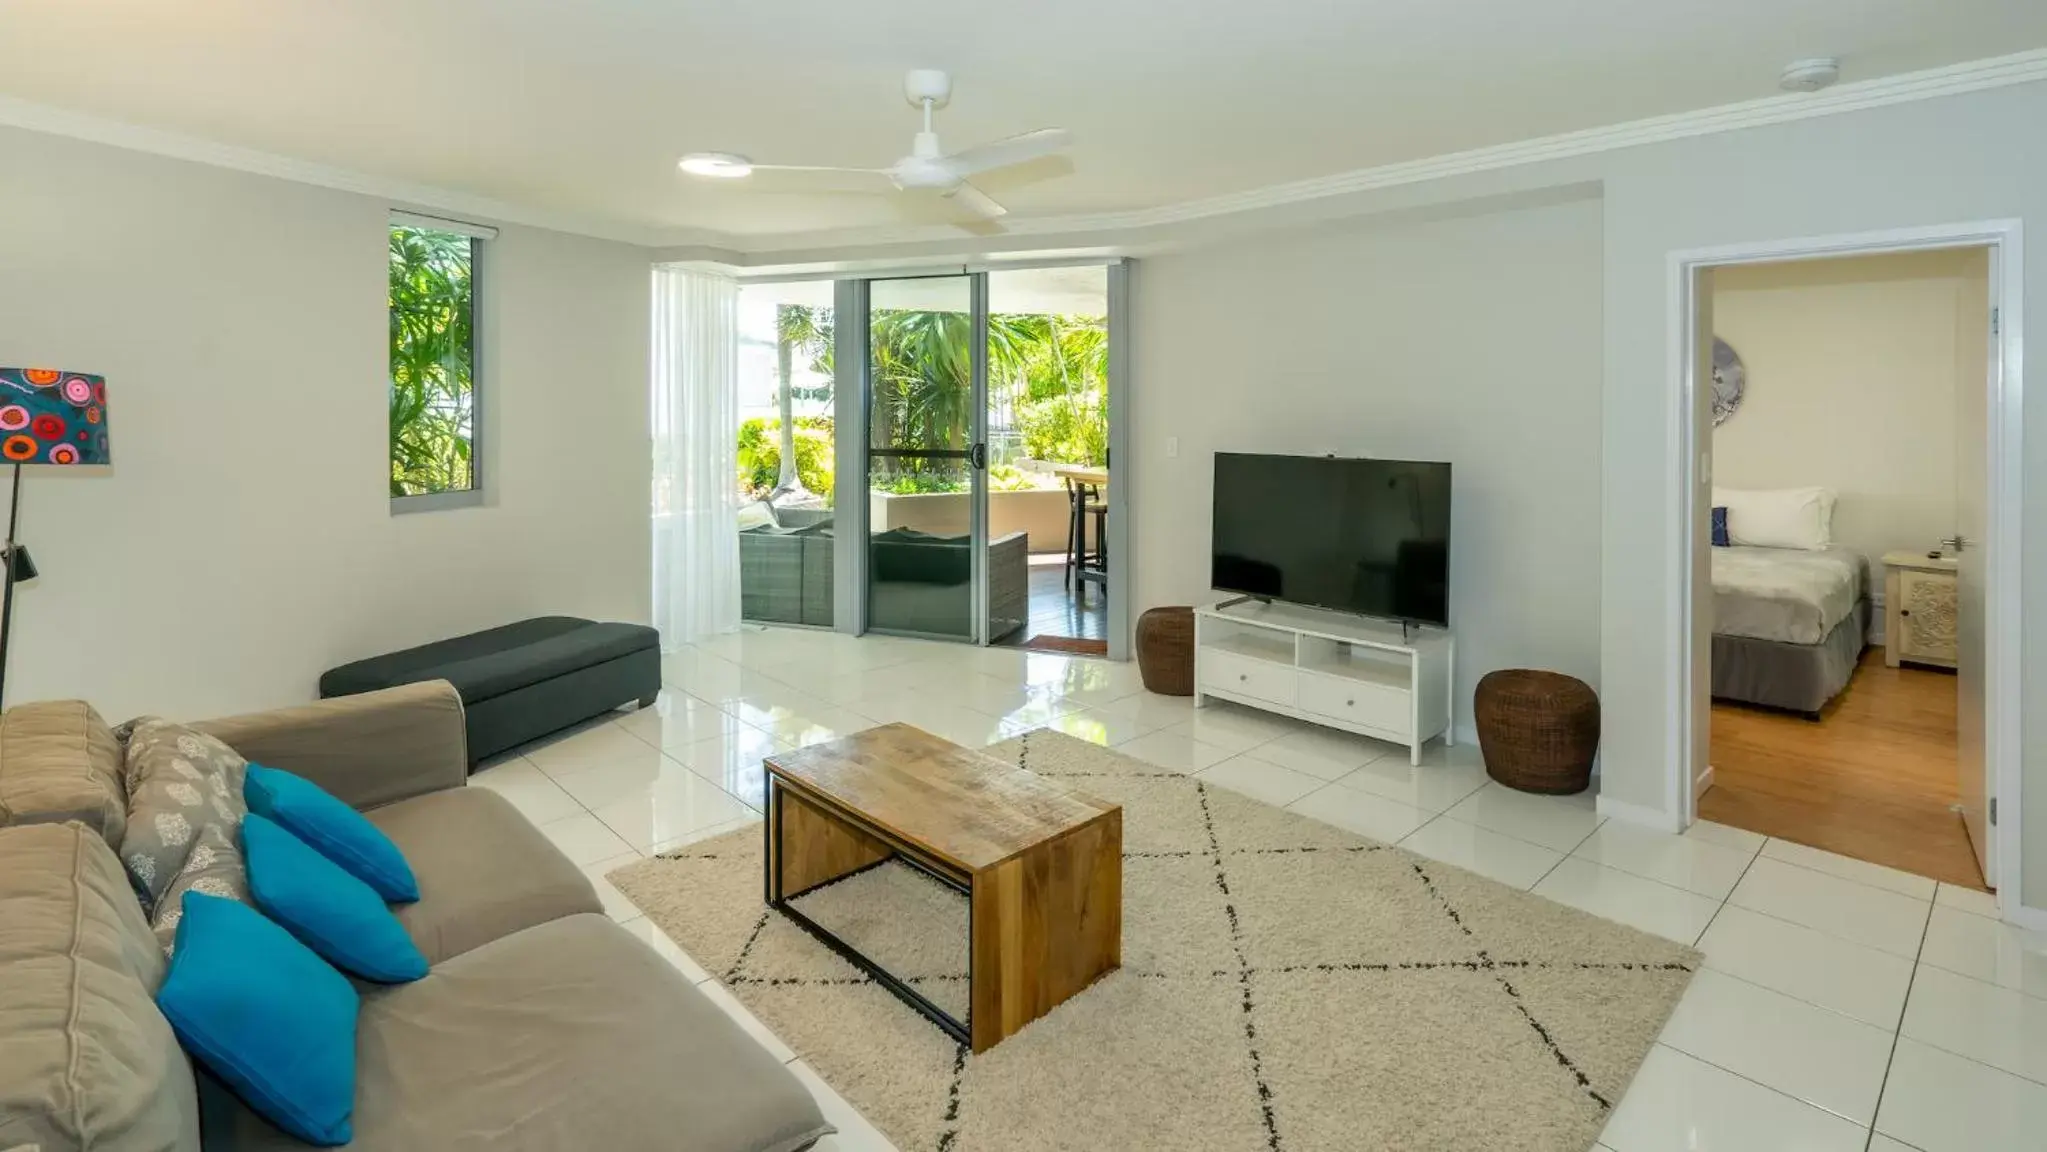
{"x":433,"y":364}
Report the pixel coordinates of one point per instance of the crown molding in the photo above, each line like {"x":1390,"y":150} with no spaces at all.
{"x":43,"y":118}
{"x":753,"y":249}
{"x":1952,"y":80}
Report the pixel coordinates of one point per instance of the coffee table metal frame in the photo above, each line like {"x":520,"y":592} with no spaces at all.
{"x":771,"y":868}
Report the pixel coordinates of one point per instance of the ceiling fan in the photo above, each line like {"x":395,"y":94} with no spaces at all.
{"x":926,"y":168}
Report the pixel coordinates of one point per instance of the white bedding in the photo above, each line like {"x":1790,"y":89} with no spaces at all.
{"x":1784,"y":594}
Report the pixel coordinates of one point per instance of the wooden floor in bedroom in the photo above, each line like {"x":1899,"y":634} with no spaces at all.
{"x":1873,"y":778}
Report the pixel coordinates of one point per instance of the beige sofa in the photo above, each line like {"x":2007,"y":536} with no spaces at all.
{"x":542,"y":1025}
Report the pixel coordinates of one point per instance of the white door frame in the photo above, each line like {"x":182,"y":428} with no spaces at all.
{"x":2002,"y":633}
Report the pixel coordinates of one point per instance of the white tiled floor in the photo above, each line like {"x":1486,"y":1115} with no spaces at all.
{"x":1841,"y":1005}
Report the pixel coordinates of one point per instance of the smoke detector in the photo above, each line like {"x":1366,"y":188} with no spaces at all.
{"x":1810,"y":75}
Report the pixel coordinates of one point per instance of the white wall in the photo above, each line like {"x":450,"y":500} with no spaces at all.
{"x":1932,"y":162}
{"x":242,"y":541}
{"x":1474,"y":341}
{"x":1852,"y":375}
{"x":1949,"y":160}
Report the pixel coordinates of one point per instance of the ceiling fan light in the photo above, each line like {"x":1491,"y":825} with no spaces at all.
{"x":716,"y":165}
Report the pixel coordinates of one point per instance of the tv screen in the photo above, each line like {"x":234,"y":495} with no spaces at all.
{"x":1365,"y":536}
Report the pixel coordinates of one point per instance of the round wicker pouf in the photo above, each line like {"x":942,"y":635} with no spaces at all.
{"x":1538,"y":730}
{"x":1165,"y":650}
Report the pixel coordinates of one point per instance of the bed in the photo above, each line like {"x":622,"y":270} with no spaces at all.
{"x":1789,"y":625}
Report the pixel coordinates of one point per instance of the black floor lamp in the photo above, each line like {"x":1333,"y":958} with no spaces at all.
{"x":46,"y":417}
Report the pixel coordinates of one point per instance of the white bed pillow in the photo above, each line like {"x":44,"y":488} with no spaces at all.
{"x":1801,"y":518}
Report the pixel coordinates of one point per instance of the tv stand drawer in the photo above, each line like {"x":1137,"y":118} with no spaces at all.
{"x":1261,"y":679}
{"x":1356,"y":702}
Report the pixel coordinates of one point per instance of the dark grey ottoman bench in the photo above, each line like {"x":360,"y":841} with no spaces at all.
{"x":523,"y":680}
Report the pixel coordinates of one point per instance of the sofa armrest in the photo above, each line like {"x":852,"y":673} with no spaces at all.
{"x":1009,"y":584}
{"x":370,"y":749}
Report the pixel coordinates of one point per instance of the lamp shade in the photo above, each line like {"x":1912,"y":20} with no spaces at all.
{"x":49,"y":416}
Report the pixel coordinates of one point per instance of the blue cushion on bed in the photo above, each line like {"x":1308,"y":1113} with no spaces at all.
{"x":1720,"y":539}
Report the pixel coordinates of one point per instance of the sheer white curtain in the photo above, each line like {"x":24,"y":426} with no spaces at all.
{"x":696,"y":430}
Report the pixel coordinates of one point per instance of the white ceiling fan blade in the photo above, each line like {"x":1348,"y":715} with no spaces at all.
{"x":1015,"y":150}
{"x":805,"y":178}
{"x":976,"y":201}
{"x":817,"y":168}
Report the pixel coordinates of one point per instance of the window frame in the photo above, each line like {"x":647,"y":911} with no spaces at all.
{"x":479,"y":260}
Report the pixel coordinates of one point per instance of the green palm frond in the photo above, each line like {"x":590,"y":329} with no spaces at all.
{"x":432,"y":360}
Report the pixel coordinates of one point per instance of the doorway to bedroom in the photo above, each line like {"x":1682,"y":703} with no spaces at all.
{"x":1845,"y":456}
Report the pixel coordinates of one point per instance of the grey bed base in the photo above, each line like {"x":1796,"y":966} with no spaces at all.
{"x":1798,"y":677}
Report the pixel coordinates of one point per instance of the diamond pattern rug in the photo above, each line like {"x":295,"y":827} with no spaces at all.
{"x":1286,"y":987}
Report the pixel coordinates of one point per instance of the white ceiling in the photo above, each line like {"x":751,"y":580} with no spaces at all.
{"x":582,"y":106}
{"x":1073,"y":290}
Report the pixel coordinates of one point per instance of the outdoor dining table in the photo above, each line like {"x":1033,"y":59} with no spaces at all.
{"x":1086,"y":485}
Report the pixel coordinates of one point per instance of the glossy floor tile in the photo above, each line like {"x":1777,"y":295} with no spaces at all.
{"x":1999,"y":953}
{"x":1173,"y":751}
{"x":670,"y":808}
{"x":591,"y":747}
{"x":1560,"y":823}
{"x":533,"y":792}
{"x":1233,"y":727}
{"x":1098,"y":727}
{"x":615,"y":904}
{"x":1697,"y":866}
{"x":1967,"y":900}
{"x":584,"y":839}
{"x":1727,"y":836}
{"x":1679,"y":1103}
{"x":1808,"y":1053}
{"x":1437,"y":784}
{"x":1939,"y":1102}
{"x":1324,"y":753}
{"x":655,"y":938}
{"x":1261,"y":779}
{"x":1988,"y":1024}
{"x":1849,"y":868}
{"x":1629,"y":899}
{"x":1515,"y":863}
{"x":1877,"y":917}
{"x":1364,"y":813}
{"x":1853,"y":979}
{"x":1788,"y":1040}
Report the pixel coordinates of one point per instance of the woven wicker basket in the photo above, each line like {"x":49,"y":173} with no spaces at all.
{"x":1538,"y":730}
{"x":1165,"y":650}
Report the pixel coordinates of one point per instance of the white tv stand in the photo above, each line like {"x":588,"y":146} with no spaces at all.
{"x":1329,"y":668}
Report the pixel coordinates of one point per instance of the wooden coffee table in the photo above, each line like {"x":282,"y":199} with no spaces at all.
{"x":1041,"y":865}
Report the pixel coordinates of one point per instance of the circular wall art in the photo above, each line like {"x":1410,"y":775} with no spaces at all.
{"x":1730,"y":381}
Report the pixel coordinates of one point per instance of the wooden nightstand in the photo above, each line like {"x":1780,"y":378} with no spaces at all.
{"x":1919,"y":609}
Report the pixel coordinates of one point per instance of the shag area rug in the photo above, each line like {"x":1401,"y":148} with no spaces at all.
{"x":1286,"y":987}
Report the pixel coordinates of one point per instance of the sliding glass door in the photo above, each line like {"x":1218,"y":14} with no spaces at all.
{"x":1049,"y":525}
{"x":787,"y":443}
{"x":927,"y":457}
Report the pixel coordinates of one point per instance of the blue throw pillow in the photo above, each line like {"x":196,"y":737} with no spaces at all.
{"x":1720,"y":539}
{"x":332,"y":828}
{"x":330,"y":911}
{"x":266,"y":1016}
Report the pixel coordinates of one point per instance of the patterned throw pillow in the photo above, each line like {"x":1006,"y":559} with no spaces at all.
{"x":185,"y":814}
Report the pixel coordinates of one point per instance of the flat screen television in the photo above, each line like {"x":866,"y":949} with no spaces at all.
{"x":1364,"y":536}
